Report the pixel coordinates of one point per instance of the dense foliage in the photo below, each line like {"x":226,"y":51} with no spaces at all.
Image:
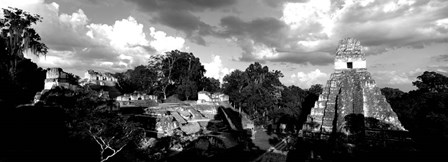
{"x":141,"y":79}
{"x":210,"y":85}
{"x":424,"y":112}
{"x":177,"y":72}
{"x":256,"y":90}
{"x":259,"y":93}
{"x":88,"y":115}
{"x":173,"y":73}
{"x":17,"y":37}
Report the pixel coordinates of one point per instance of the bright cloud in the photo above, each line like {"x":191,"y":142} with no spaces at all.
{"x":262,"y":52}
{"x":163,"y":43}
{"x":124,"y":34}
{"x":125,"y":37}
{"x":215,"y":69}
{"x":305,"y":80}
{"x":303,"y":15}
{"x":256,"y":51}
{"x":77,"y":19}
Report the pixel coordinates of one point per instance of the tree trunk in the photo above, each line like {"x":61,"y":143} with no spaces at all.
{"x":12,"y":69}
{"x":164,"y":93}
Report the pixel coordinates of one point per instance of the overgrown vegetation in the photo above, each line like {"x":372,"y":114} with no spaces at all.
{"x":88,"y":116}
{"x":424,"y":112}
{"x":16,"y":37}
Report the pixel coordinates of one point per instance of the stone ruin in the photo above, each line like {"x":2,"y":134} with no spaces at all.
{"x":136,"y":99}
{"x":57,"y":77}
{"x":97,"y":78}
{"x":351,"y":91}
{"x":205,"y":97}
{"x":136,"y":96}
{"x":193,"y":118}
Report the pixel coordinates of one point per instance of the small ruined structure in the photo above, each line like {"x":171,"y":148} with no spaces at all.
{"x":97,"y":78}
{"x":57,"y":77}
{"x":103,"y":82}
{"x":205,"y":97}
{"x":136,"y":96}
{"x":135,"y":99}
{"x":351,"y":92}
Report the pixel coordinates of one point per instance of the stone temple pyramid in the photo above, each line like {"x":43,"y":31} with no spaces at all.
{"x":350,"y":90}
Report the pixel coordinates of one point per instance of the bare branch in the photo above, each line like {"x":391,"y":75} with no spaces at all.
{"x":113,"y":154}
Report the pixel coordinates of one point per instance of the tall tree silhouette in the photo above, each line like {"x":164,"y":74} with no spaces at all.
{"x":256,"y":90}
{"x":17,"y":37}
{"x":177,"y":72}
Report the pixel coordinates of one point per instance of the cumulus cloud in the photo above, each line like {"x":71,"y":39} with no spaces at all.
{"x":76,"y":19}
{"x":314,"y":14}
{"x":215,"y":69}
{"x":180,"y":15}
{"x":163,"y":43}
{"x":305,"y":80}
{"x":258,"y":52}
{"x":128,"y":42}
{"x":123,"y":34}
{"x":77,"y":45}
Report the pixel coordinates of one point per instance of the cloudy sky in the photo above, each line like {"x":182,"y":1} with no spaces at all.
{"x":401,"y":38}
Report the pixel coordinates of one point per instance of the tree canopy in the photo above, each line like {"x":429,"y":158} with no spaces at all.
{"x":424,"y":112}
{"x":259,"y":92}
{"x":141,"y":79}
{"x":16,"y":37}
{"x":316,"y":89}
{"x":177,"y":73}
{"x":431,"y":82}
{"x":210,"y":85}
{"x":256,"y":90}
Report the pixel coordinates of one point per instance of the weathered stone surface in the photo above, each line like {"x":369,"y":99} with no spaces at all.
{"x":57,"y":77}
{"x":191,"y":118}
{"x":97,"y":78}
{"x":136,"y":99}
{"x":205,"y":97}
{"x":350,"y":90}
